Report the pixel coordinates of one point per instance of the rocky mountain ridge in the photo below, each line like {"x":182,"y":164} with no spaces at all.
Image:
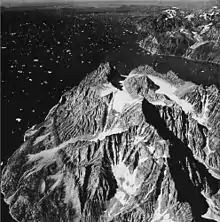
{"x":193,"y":35}
{"x":136,"y":147}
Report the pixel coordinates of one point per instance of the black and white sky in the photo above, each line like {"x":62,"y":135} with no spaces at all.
{"x":68,"y":1}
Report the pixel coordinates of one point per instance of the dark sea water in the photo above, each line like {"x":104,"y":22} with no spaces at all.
{"x":46,"y":52}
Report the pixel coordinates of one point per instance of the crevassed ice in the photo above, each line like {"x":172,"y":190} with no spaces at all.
{"x":169,"y":90}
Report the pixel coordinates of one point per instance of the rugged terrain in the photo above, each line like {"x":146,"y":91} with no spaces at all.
{"x":191,"y":34}
{"x":142,"y":147}
{"x":138,"y":139}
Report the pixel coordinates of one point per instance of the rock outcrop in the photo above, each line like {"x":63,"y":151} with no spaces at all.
{"x":142,"y":147}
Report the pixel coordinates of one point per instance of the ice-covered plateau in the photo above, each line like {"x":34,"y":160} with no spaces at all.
{"x":141,"y":147}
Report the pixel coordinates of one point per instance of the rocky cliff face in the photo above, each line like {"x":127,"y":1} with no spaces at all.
{"x":192,"y":35}
{"x":142,"y":147}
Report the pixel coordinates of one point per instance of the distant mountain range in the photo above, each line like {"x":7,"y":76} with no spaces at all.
{"x":190,"y":34}
{"x":137,"y":147}
{"x":180,"y":4}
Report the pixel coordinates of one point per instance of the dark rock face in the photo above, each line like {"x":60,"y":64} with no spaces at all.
{"x":142,"y":147}
{"x":192,"y":35}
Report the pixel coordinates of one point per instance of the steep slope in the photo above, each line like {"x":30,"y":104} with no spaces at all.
{"x":142,"y":147}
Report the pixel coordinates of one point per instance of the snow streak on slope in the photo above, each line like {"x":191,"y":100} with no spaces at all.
{"x":102,"y":135}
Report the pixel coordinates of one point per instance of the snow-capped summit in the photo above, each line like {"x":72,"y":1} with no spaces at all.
{"x":206,"y":28}
{"x":211,"y":13}
{"x":170,"y":13}
{"x":189,"y":17}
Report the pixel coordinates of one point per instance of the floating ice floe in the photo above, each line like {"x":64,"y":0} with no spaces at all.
{"x":18,"y":119}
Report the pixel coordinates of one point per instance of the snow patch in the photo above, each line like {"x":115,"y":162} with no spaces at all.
{"x":124,"y":178}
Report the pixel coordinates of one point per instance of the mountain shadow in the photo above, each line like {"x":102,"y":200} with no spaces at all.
{"x":179,"y":152}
